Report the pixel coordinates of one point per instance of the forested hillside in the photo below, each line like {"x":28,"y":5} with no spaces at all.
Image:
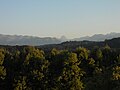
{"x":72,"y":45}
{"x":30,"y":68}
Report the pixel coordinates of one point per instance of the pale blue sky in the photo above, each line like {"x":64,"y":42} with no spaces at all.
{"x":54,"y":18}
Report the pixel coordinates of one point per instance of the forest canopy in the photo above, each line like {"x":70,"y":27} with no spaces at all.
{"x":30,"y":68}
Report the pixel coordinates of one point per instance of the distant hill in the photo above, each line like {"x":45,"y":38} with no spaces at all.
{"x":36,"y":41}
{"x":98,"y":37}
{"x":114,"y":43}
{"x":72,"y":45}
{"x":26,"y":40}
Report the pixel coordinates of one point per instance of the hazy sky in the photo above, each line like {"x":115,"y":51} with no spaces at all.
{"x":54,"y":18}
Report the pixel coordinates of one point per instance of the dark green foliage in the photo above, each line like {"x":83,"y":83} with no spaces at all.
{"x":2,"y":69}
{"x":29,"y":68}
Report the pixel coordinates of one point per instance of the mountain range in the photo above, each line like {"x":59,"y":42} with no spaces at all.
{"x":98,"y":37}
{"x":26,"y":40}
{"x":32,"y":40}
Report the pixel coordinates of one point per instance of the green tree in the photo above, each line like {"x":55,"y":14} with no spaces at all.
{"x":2,"y":69}
{"x":36,"y":68}
{"x":116,"y":78}
{"x":70,"y":77}
{"x":97,"y":55}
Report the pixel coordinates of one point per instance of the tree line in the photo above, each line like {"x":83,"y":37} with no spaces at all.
{"x":30,"y":68}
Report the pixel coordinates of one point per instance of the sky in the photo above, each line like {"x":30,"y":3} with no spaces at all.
{"x":55,"y":18}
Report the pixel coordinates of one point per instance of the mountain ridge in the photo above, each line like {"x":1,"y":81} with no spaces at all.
{"x":98,"y":37}
{"x":36,"y":41}
{"x":26,"y":40}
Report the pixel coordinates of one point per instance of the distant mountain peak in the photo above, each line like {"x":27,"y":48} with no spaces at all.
{"x":63,"y":38}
